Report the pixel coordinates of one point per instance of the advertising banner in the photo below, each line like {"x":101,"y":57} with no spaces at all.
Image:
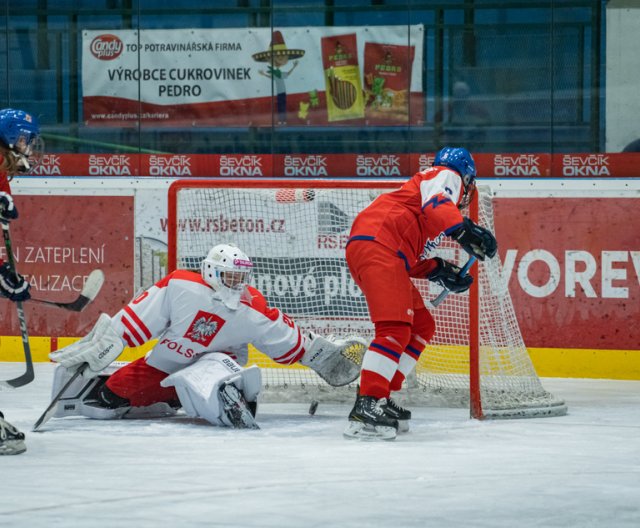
{"x":573,"y":266}
{"x":390,"y":165}
{"x":57,"y":242}
{"x":253,"y":76}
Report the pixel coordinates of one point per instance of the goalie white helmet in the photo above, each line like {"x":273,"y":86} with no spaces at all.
{"x":227,"y":269}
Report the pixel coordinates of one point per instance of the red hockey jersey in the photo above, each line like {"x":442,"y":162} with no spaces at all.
{"x":413,"y":219}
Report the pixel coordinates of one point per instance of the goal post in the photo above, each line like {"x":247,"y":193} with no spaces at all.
{"x":295,"y":232}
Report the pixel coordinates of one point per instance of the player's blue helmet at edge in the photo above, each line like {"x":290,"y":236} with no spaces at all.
{"x":459,"y":159}
{"x":20,"y":134}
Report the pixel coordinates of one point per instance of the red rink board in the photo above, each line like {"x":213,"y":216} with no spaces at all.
{"x":596,"y":237}
{"x":58,"y":241}
{"x":615,"y":165}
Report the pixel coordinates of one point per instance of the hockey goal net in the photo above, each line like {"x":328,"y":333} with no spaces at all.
{"x":296,"y":232}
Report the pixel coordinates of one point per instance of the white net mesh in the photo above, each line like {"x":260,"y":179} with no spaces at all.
{"x":296,"y":238}
{"x":509,"y":384}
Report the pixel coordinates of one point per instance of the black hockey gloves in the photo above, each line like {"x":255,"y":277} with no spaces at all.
{"x":475,"y":240}
{"x":12,"y":287}
{"x":8,"y":209}
{"x":448,"y":276}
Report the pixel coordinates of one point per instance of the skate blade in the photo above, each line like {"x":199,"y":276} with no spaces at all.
{"x":361,"y":431}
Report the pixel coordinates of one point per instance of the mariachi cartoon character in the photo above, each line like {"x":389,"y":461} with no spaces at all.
{"x":278,"y":55}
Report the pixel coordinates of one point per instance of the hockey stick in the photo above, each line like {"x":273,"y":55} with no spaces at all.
{"x":28,"y":376}
{"x":51,"y":410}
{"x":444,"y":293}
{"x":89,"y":292}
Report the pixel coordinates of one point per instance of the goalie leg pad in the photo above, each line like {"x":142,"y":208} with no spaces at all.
{"x":337,"y":361}
{"x":71,"y":402}
{"x":155,"y":410}
{"x":203,"y":392}
{"x":82,"y":398}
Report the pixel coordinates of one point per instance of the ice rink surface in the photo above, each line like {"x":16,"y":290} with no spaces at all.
{"x":580,"y":470}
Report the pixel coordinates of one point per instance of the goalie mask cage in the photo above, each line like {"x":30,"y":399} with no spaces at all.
{"x":295,"y":232}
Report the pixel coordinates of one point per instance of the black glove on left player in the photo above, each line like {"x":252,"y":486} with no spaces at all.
{"x":8,"y":209}
{"x":15,"y":289}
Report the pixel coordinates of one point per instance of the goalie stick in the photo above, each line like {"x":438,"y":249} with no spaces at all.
{"x":51,"y":410}
{"x":91,"y":288}
{"x":444,"y":293}
{"x":28,"y":375}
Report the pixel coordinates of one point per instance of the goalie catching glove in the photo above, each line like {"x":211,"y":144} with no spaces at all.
{"x":99,"y":348}
{"x":448,"y":276}
{"x":475,"y":240}
{"x":337,"y":361}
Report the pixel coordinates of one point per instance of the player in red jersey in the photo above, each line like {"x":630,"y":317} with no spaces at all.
{"x":19,"y":141}
{"x":203,"y":323}
{"x":386,"y":246}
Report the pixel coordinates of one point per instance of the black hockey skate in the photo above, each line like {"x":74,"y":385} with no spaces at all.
{"x":393,"y":410}
{"x":369,"y":421}
{"x":11,"y":440}
{"x":236,"y":408}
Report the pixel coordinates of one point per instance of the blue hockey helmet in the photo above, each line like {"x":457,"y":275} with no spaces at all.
{"x":460,"y":160}
{"x":20,"y":134}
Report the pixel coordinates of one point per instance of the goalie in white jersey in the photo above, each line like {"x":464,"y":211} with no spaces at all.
{"x":204,"y":323}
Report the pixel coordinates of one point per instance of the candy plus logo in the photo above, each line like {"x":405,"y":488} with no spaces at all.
{"x":242,"y":262}
{"x":106,"y":47}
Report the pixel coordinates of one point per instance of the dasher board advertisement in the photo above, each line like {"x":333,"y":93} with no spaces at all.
{"x":62,"y":240}
{"x":254,"y":76}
